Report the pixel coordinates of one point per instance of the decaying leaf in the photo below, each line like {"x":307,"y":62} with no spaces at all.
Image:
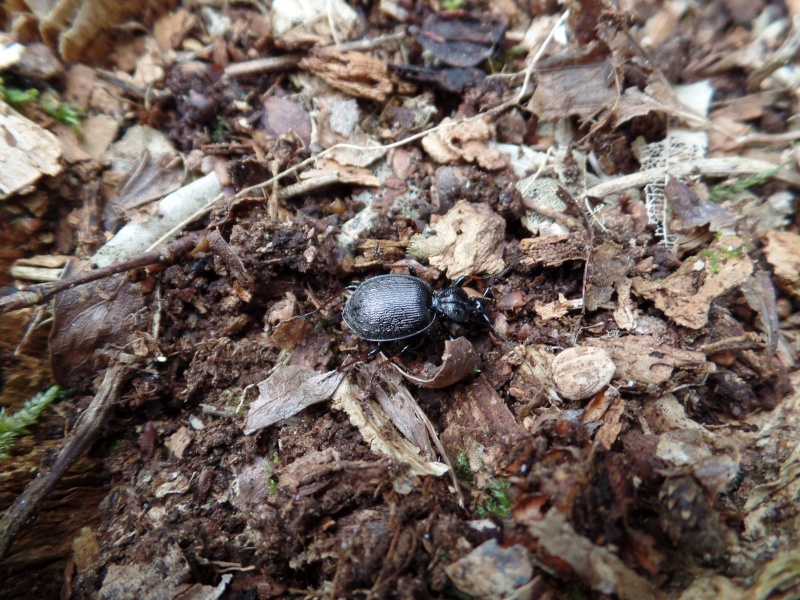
{"x":166,"y":574}
{"x":491,"y":571}
{"x":376,"y":429}
{"x":458,"y":361}
{"x":458,"y":39}
{"x":465,"y":142}
{"x":686,"y":295}
{"x":91,"y":322}
{"x":27,"y":152}
{"x":582,"y":90}
{"x":144,"y":166}
{"x":468,"y":241}
{"x":694,"y":210}
{"x":644,"y":360}
{"x":286,"y":392}
{"x":338,"y":119}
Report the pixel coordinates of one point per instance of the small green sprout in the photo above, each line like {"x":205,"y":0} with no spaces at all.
{"x":452,"y":4}
{"x":272,"y":487}
{"x":14,"y":426}
{"x":714,"y":264}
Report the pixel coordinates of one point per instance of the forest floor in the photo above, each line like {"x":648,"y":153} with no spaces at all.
{"x":180,"y":180}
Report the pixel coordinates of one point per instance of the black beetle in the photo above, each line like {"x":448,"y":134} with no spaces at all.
{"x":388,"y":308}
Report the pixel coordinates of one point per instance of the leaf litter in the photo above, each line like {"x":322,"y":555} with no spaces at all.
{"x":625,"y":427}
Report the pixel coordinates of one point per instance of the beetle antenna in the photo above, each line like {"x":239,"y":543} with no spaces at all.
{"x":326,"y":303}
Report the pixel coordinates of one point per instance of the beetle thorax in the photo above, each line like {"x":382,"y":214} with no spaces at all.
{"x":454,"y":304}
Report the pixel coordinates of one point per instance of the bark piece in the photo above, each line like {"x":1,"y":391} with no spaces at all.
{"x":27,"y":152}
{"x":354,"y":73}
{"x":644,"y":360}
{"x":597,"y":566}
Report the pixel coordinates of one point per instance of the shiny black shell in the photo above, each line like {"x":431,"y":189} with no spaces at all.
{"x":387,"y":308}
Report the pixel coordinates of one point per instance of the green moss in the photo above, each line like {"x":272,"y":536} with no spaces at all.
{"x":50,"y":103}
{"x":724,"y":191}
{"x":16,"y":425}
{"x":499,"y":502}
{"x":463,"y":470}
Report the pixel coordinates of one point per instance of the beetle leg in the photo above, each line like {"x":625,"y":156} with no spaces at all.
{"x":385,"y":362}
{"x":460,"y":281}
{"x":412,"y":271}
{"x":360,"y":358}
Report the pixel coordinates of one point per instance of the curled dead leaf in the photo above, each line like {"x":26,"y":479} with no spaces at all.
{"x":458,"y":361}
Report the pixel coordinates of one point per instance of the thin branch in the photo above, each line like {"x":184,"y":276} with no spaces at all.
{"x":37,"y":294}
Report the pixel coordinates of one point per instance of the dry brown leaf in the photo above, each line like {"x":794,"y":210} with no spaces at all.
{"x":782,"y":250}
{"x":612,"y":424}
{"x":686,"y":295}
{"x":90,"y":322}
{"x":144,"y":167}
{"x":80,"y":29}
{"x":557,"y":308}
{"x":286,"y":392}
{"x":582,"y":90}
{"x":465,"y":142}
{"x":170,"y":29}
{"x":468,"y":241}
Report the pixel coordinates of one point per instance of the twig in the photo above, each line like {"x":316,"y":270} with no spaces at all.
{"x":90,"y":423}
{"x":36,"y":294}
{"x":540,"y":53}
{"x":262,"y":65}
{"x":567,"y":198}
